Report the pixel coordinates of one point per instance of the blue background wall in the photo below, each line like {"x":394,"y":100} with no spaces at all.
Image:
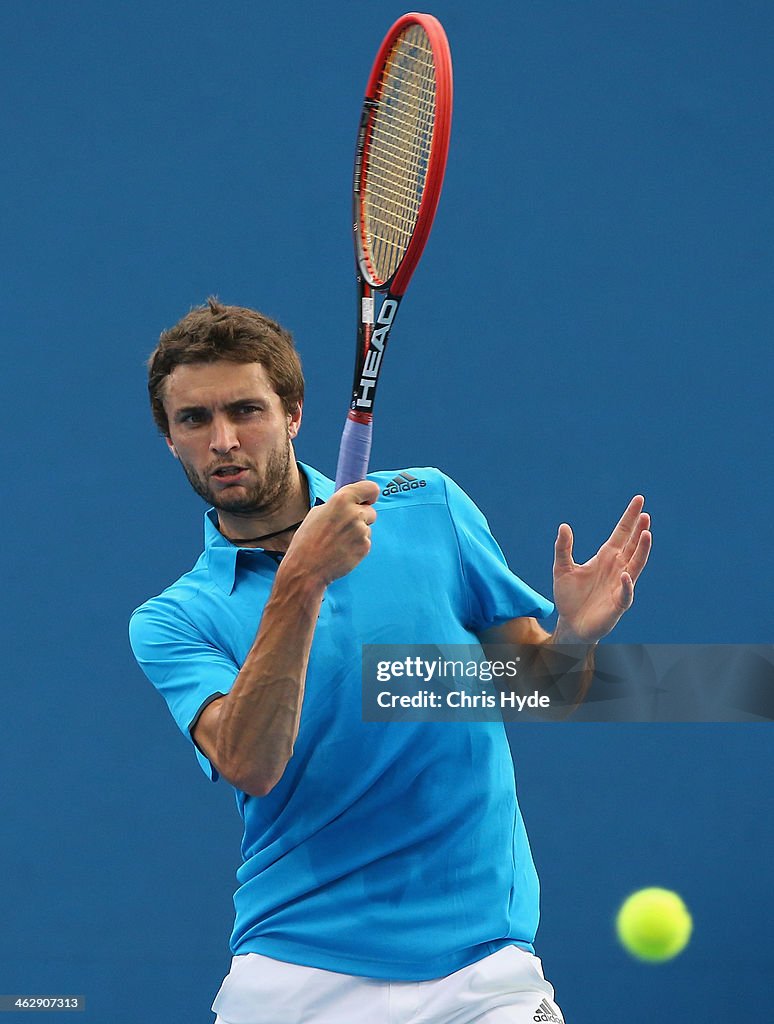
{"x":593,"y":318}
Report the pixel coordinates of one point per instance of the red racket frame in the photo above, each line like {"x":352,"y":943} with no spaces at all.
{"x":439,"y":150}
{"x":373,"y":330}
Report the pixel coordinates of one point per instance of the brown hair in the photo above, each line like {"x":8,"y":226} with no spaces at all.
{"x":215,"y":331}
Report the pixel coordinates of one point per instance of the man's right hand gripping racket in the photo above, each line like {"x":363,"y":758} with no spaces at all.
{"x":400,"y":159}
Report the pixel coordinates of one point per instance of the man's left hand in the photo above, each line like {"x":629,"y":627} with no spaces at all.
{"x":591,"y":598}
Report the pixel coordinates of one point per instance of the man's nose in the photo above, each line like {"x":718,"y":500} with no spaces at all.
{"x":223,"y":438}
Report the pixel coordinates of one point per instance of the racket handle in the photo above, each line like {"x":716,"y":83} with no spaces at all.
{"x":354,"y":452}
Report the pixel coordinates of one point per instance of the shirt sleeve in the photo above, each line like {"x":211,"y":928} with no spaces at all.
{"x":495,"y":594}
{"x":187,"y":670}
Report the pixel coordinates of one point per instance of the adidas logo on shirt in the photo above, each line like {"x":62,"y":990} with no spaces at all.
{"x":544,"y":1012}
{"x":403,"y":482}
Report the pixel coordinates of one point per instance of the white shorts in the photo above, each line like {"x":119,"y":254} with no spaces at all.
{"x":507,"y":987}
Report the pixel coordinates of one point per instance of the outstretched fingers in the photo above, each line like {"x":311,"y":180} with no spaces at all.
{"x":627,"y":524}
{"x":643,"y":523}
{"x":639,"y":557}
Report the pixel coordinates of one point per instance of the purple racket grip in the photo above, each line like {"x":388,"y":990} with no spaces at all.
{"x":354,"y":451}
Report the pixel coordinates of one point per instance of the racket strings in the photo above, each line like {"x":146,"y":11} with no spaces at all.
{"x":398,"y":153}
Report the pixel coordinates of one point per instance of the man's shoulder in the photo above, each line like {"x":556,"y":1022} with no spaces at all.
{"x":184,"y":590}
{"x":424,"y":484}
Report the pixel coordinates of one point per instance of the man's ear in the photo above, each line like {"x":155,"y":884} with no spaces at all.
{"x":294,"y":421}
{"x":171,"y":447}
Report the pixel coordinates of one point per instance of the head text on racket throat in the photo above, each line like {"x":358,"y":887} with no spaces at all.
{"x":364,"y":393}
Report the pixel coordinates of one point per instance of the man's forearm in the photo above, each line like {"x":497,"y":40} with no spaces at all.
{"x":260,"y":715}
{"x":560,"y":659}
{"x":565,"y":656}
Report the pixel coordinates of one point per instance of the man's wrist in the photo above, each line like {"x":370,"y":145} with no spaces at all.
{"x":564,"y":634}
{"x":303,"y":582}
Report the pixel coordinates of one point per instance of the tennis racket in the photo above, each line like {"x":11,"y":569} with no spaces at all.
{"x":400,"y":159}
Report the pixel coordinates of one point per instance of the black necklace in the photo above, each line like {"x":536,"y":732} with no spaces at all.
{"x":265,"y":536}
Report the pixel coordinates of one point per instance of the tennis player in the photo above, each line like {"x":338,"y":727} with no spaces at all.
{"x":386,"y":873}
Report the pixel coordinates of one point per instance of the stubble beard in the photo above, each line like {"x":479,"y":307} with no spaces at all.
{"x":262,"y":498}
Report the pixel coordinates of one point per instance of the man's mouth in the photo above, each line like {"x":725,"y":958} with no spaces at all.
{"x":228,"y":472}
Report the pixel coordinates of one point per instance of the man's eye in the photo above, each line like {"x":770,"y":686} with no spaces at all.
{"x":192,"y":418}
{"x":248,"y":410}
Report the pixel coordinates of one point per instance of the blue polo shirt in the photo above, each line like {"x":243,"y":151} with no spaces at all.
{"x":387,"y":850}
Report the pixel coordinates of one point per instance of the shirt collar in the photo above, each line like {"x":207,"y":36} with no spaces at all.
{"x":222,"y":555}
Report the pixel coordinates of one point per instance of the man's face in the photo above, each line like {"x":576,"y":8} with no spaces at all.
{"x":230,"y":431}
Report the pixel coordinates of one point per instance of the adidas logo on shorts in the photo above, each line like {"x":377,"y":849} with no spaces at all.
{"x":402,"y":482}
{"x":544,"y":1012}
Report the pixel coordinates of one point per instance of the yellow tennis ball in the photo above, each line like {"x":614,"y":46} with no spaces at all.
{"x":654,"y":925}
